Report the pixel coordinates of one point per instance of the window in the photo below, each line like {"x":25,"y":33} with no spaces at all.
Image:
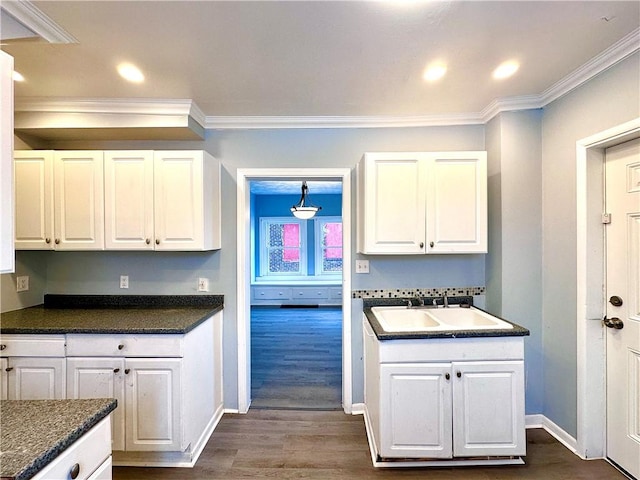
{"x":283,"y":246}
{"x":328,"y":251}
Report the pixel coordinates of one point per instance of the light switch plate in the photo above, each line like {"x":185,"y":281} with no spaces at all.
{"x":362,"y":266}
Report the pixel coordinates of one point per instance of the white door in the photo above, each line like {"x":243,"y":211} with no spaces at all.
{"x":416,"y":410}
{"x":34,"y":199}
{"x":36,"y":378}
{"x":457,"y":203}
{"x":179,"y":217}
{"x":3,"y":378}
{"x":153,"y":398}
{"x":128,"y":200}
{"x":391,"y":203}
{"x":100,"y":378}
{"x":78,"y":193}
{"x":488,"y":398}
{"x":623,"y":307}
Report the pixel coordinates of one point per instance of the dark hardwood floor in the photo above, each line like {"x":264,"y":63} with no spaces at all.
{"x":330,"y":445}
{"x":296,"y":358}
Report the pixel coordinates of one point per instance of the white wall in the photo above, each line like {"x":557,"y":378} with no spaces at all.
{"x":610,"y":99}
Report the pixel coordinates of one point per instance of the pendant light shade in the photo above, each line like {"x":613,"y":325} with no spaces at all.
{"x":304,"y":210}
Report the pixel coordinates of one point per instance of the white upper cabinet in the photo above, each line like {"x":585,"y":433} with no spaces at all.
{"x":422,"y":202}
{"x":128,"y":206}
{"x":59,"y":200}
{"x":7,"y":254}
{"x":187,"y":201}
{"x":34,"y":199}
{"x":78,"y":197}
{"x":117,"y":200}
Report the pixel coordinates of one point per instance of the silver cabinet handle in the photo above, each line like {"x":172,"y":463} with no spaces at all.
{"x":75,"y":471}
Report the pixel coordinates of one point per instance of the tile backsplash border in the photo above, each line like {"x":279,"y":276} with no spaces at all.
{"x":419,"y":292}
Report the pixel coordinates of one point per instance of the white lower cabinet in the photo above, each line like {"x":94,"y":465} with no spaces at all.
{"x":33,"y":367}
{"x":148,"y":394}
{"x":88,"y":458}
{"x":168,"y":388}
{"x":445,"y":398}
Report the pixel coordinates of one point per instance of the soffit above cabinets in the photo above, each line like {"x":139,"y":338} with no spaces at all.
{"x":108,"y":120}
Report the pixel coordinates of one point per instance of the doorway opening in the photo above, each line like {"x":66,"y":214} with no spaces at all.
{"x":248,"y":271}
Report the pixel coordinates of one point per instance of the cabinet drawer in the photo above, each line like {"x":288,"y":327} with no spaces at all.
{"x":310,"y":292}
{"x":32,"y":345}
{"x":114,"y":345}
{"x":89,"y":452}
{"x":272,"y":293}
{"x":335,"y":293}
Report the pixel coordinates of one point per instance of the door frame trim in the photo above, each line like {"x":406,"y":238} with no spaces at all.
{"x":243,"y":272}
{"x":590,"y":306}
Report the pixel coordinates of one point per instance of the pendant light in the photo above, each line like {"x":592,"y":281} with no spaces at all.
{"x":303,"y":210}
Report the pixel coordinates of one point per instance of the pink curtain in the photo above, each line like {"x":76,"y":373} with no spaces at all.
{"x":333,"y":240}
{"x":291,"y":242}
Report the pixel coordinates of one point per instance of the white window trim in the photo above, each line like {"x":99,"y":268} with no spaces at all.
{"x":264,"y":252}
{"x":318,"y":221}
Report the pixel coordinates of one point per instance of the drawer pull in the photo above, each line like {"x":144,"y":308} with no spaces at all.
{"x":47,"y":240}
{"x":116,"y":370}
{"x":126,"y":371}
{"x":8,"y":369}
{"x":121,"y":346}
{"x":57,"y":241}
{"x":458,"y":374}
{"x":3,"y":346}
{"x":75,"y":471}
{"x":147,"y":241}
{"x":447,"y":376}
{"x":157,"y":241}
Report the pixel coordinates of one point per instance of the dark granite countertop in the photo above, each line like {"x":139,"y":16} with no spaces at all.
{"x":61,"y":314}
{"x":382,"y":334}
{"x":34,"y":432}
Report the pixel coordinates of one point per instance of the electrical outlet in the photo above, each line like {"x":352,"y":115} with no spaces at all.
{"x":124,"y":281}
{"x":362,"y":266}
{"x":203,"y":284}
{"x":22,"y":283}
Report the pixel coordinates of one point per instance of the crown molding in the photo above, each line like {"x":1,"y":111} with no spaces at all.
{"x":35,"y":20}
{"x":140,"y":106}
{"x":626,"y":46}
{"x":275,"y":122}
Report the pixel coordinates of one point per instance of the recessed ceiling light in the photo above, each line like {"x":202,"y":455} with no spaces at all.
{"x":506,"y":69}
{"x":434,"y":72}
{"x":17,"y":77}
{"x":130,"y":72}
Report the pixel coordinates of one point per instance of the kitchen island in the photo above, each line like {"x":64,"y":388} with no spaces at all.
{"x":38,"y":436}
{"x":159,"y":356}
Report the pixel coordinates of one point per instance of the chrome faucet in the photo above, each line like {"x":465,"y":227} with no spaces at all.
{"x":445,"y":301}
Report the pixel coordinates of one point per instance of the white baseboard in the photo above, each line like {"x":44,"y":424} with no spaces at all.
{"x":357,"y":409}
{"x":540,"y":421}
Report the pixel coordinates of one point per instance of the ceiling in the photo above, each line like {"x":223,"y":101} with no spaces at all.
{"x":333,"y":59}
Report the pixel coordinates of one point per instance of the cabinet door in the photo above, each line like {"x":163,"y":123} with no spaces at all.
{"x":7,"y":192}
{"x":488,"y":399}
{"x":153,"y":400}
{"x":457,"y":203}
{"x":3,"y":378}
{"x":391,"y":203}
{"x":416,"y":410}
{"x":79,"y":200}
{"x":100,"y":378}
{"x":128,"y":209}
{"x":34,"y":199}
{"x":36,"y":378}
{"x":178,"y":192}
